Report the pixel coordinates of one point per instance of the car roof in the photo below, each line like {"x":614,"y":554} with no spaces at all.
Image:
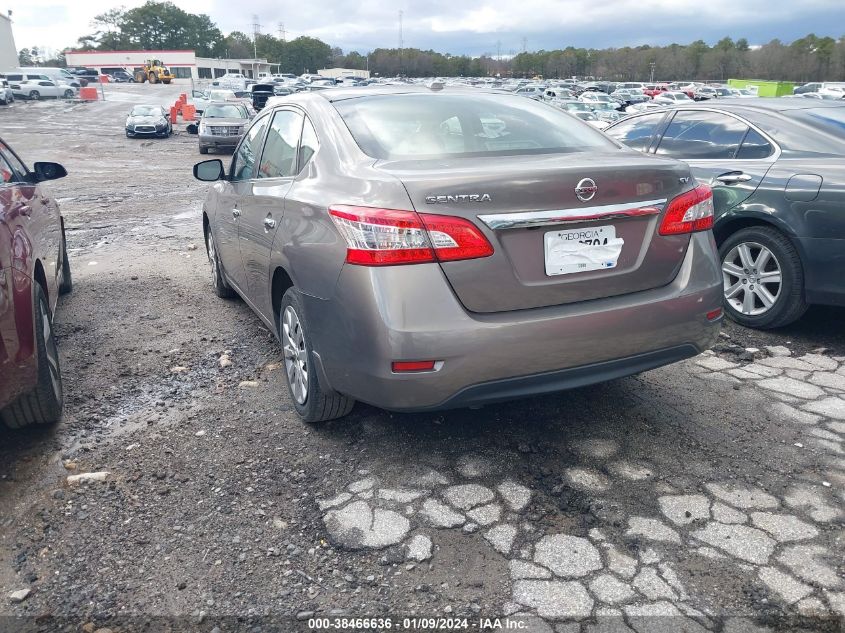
{"x":764,"y":104}
{"x":341,"y":94}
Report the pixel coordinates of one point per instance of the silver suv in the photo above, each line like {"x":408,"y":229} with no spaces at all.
{"x":418,"y":249}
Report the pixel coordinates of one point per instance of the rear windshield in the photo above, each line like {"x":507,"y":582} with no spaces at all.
{"x":434,"y":125}
{"x":830,"y":120}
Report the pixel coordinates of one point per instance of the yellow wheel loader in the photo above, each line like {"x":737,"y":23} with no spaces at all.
{"x":154,"y":72}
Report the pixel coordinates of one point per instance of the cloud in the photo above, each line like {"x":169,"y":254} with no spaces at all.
{"x":470,"y":27}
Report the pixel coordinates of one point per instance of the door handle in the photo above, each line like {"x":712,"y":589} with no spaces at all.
{"x":269,"y":223}
{"x":236,"y":213}
{"x":733,"y":177}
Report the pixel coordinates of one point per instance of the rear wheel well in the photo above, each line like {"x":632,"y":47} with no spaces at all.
{"x":281,"y":283}
{"x":721,"y":232}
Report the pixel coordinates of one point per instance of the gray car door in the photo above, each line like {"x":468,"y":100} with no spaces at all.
{"x":722,"y":150}
{"x":230,"y":203}
{"x":264,"y":202}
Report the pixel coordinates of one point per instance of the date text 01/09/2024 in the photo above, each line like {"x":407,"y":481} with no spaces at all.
{"x":417,"y":624}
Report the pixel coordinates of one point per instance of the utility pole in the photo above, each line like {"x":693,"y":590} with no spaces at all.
{"x":401,"y":42}
{"x":282,"y":32}
{"x":652,"y":65}
{"x":524,"y":44}
{"x":256,"y":31}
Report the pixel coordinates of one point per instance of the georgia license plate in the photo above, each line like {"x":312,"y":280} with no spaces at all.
{"x":581,"y":250}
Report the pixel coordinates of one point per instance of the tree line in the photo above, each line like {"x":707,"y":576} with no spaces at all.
{"x":164,"y":26}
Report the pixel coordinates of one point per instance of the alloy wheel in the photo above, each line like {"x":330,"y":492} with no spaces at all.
{"x":52,"y":353}
{"x":752,"y":278}
{"x":296,"y":363}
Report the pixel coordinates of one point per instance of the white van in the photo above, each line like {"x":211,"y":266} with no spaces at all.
{"x":230,"y":81}
{"x":58,"y":75}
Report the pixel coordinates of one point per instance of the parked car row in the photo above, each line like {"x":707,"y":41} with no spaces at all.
{"x":778,"y":176}
{"x":425,"y":283}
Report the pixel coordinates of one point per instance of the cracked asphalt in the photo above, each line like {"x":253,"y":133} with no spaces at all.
{"x":705,"y":496}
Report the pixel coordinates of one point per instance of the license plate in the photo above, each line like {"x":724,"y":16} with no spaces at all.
{"x":581,"y":250}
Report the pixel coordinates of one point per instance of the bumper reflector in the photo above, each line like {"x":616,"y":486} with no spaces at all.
{"x":714,"y":314}
{"x":399,"y":366}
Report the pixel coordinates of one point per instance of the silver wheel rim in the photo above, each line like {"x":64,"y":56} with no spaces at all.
{"x":296,"y":364}
{"x":752,"y":278}
{"x":212,"y":257}
{"x":52,"y":353}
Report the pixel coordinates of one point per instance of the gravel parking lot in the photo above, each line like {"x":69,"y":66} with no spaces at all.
{"x":705,"y":496}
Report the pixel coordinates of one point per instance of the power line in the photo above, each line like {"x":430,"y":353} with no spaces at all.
{"x":256,"y":31}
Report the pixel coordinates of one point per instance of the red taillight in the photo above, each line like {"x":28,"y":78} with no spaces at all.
{"x":691,"y":211}
{"x":384,"y":237}
{"x":399,"y":366}
{"x":455,"y":238}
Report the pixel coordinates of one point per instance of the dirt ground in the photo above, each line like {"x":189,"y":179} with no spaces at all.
{"x":706,"y":496}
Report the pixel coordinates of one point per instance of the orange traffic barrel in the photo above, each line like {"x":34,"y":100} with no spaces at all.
{"x":188,"y":112}
{"x":104,"y":79}
{"x":174,"y":113}
{"x":183,"y":97}
{"x":88,"y":94}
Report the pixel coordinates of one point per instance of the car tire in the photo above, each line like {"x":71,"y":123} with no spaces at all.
{"x":312,"y":401}
{"x":203,"y":150}
{"x":43,"y":405}
{"x":68,"y":94}
{"x":785,"y":290}
{"x":218,"y":275}
{"x":66,"y":286}
{"x":34,"y":95}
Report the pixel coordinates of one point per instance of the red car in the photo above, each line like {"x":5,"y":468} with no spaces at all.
{"x":652,"y":90}
{"x":34,"y":271}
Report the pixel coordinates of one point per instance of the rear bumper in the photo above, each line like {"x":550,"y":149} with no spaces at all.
{"x":379,"y":315}
{"x":824,"y":269}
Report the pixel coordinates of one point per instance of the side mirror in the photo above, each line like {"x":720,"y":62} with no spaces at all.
{"x":210,"y":170}
{"x":192,"y":128}
{"x":48,"y":171}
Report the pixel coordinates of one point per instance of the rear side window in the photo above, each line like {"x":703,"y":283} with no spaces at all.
{"x":437,"y":125}
{"x":308,"y":145}
{"x":243,"y":163}
{"x":636,"y":132}
{"x":754,"y":146}
{"x":702,"y":135}
{"x":279,"y":157}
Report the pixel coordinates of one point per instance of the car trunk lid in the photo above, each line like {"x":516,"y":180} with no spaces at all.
{"x":528,"y":208}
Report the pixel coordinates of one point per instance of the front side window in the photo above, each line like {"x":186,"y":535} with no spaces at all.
{"x":427,"y":125}
{"x":243,"y":164}
{"x":279,"y":157}
{"x":636,"y":132}
{"x":702,"y":135}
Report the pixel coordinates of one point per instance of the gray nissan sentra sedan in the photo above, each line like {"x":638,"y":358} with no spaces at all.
{"x":422,"y":249}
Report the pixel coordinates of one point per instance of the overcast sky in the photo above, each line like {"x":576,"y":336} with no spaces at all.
{"x":468,"y":27}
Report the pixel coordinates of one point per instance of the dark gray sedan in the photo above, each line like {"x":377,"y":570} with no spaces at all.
{"x":148,"y":120}
{"x":777,"y":168}
{"x":420,"y":249}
